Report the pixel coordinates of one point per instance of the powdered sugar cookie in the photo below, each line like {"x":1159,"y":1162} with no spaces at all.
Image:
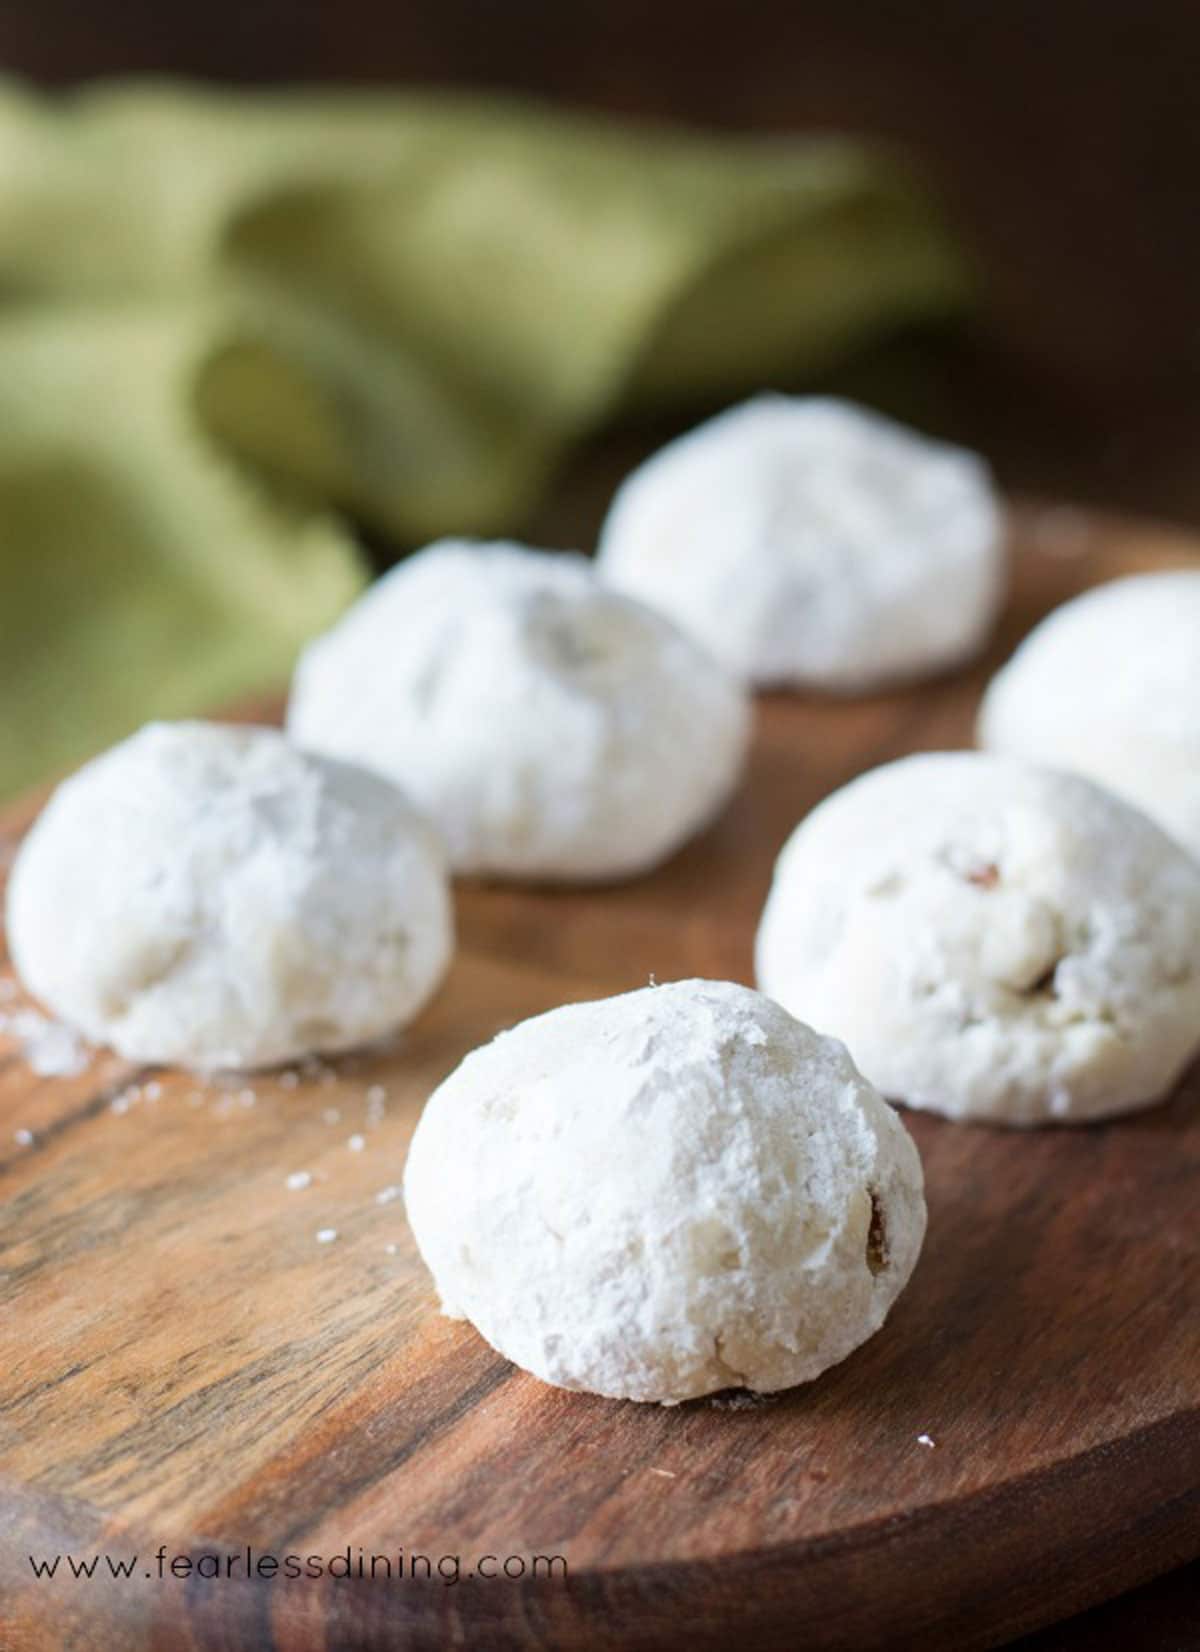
{"x":666,"y":1193}
{"x":550,"y":727}
{"x":1109,"y":686}
{"x":808,"y":542}
{"x":211,"y":896}
{"x":992,"y":940}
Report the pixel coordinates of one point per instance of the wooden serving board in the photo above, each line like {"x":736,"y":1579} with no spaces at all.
{"x":183,"y":1366}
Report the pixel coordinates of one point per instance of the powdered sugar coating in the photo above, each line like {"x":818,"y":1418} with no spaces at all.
{"x":211,"y":896}
{"x":992,"y":940}
{"x":664,"y":1194}
{"x":1109,"y":686}
{"x":808,"y":542}
{"x":550,"y":727}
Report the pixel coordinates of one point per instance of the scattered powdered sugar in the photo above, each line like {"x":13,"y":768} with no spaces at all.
{"x":56,"y":1051}
{"x":51,"y":1048}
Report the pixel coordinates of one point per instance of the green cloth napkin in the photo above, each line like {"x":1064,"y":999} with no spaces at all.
{"x":229,"y":323}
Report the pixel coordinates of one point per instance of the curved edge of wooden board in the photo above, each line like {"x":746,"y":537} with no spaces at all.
{"x":819,"y":1594}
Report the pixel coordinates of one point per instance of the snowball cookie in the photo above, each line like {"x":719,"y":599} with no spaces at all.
{"x":664,"y":1194}
{"x":552,"y":728}
{"x":811,"y":543}
{"x":211,"y":896}
{"x":1109,"y":685}
{"x":992,"y":940}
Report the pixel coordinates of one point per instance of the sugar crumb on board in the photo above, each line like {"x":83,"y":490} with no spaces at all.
{"x":50,"y":1048}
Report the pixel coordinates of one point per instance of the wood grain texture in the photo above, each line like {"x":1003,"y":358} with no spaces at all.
{"x":182,"y":1364}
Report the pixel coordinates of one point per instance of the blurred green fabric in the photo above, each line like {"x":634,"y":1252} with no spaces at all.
{"x":230,"y":323}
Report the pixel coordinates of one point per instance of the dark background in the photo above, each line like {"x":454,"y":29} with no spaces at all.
{"x":1063,"y":134}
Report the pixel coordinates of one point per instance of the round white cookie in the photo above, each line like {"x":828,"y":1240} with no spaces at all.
{"x":992,"y":940}
{"x":211,"y":896}
{"x":1109,"y":686}
{"x":551,"y":728}
{"x":664,"y":1194}
{"x":810,"y":543}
